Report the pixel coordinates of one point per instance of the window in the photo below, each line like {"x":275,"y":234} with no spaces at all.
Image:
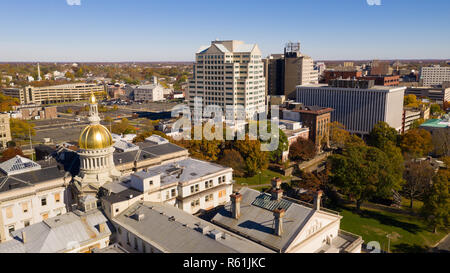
{"x":173,"y":192}
{"x":195,"y":203}
{"x":9,"y":212}
{"x":25,"y":207}
{"x":194,"y":188}
{"x":209,"y":197}
{"x":57,"y":197}
{"x":128,"y":238}
{"x":135,"y":243}
{"x":11,"y":228}
{"x":222,"y":193}
{"x":43,"y":201}
{"x":26,"y":223}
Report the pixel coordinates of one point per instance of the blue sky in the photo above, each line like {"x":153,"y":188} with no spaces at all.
{"x":172,"y":30}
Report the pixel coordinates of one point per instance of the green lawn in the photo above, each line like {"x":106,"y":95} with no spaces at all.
{"x":266,"y":177}
{"x":408,"y":233}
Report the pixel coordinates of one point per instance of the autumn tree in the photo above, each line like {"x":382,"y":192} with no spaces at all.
{"x":381,"y":135}
{"x":309,"y":182}
{"x":338,"y":135}
{"x":123,"y":127}
{"x":255,"y":159}
{"x":302,"y":149}
{"x":418,"y":176}
{"x":233,"y":159}
{"x":10,"y":153}
{"x":435,"y":109}
{"x":7,"y":102}
{"x":441,"y":142}
{"x":416,"y":143}
{"x":436,"y":206}
{"x":364,"y":172}
{"x":21,"y":128}
{"x":411,"y":101}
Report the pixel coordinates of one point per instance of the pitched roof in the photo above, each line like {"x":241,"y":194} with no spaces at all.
{"x":56,"y":234}
{"x":18,"y":165}
{"x":257,"y":221}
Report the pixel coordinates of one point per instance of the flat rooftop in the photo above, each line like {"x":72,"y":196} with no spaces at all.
{"x":374,"y":88}
{"x":185,"y":170}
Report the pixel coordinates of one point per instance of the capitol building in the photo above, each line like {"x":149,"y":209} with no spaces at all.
{"x":114,"y":196}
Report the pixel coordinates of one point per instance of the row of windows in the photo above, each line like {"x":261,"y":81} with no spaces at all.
{"x":25,"y":208}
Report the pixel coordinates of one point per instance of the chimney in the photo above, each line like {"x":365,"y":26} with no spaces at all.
{"x":277,"y":192}
{"x":317,"y":200}
{"x":278,"y":213}
{"x":24,"y":237}
{"x":236,"y":205}
{"x":102,"y":227}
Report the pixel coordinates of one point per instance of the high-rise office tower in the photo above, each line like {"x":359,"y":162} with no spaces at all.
{"x":285,"y":71}
{"x":229,"y":74}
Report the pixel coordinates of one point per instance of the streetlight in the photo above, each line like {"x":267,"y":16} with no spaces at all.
{"x":389,"y":242}
{"x":259,"y":177}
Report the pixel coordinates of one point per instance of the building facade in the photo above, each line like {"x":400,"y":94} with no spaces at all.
{"x":149,"y":93}
{"x":285,"y":71}
{"x":359,"y":109}
{"x":437,"y":94}
{"x":229,"y":74}
{"x":30,"y":192}
{"x":54,"y":94}
{"x":5,"y":131}
{"x":434,"y":75}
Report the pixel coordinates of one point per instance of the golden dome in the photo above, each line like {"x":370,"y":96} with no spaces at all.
{"x":92,"y":99}
{"x":95,"y":137}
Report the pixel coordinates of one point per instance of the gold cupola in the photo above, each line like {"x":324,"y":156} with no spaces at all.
{"x":95,"y":136}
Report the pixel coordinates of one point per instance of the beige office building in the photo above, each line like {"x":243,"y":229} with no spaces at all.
{"x":434,"y":75}
{"x":54,"y":94}
{"x":5,"y":132}
{"x":228,"y":74}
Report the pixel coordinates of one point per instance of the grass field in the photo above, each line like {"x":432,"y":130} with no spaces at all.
{"x":266,"y":177}
{"x":408,"y":233}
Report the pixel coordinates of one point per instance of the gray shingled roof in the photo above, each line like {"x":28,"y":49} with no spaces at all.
{"x":257,"y":223}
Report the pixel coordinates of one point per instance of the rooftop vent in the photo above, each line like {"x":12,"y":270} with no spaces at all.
{"x":139,"y":216}
{"x":172,"y":218}
{"x":215,"y":234}
{"x":203,"y":228}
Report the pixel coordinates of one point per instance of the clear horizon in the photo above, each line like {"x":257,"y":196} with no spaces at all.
{"x":172,"y":31}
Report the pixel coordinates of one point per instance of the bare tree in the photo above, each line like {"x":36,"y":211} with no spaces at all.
{"x":418,"y":175}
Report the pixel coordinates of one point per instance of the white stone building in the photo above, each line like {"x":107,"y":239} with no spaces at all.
{"x":29,"y":193}
{"x":229,"y":74}
{"x":434,"y":75}
{"x":149,"y":93}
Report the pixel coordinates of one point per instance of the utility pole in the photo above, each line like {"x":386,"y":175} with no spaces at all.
{"x":31,"y":143}
{"x":389,"y":242}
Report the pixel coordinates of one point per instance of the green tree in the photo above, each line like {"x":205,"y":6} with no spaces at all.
{"x":364,"y":172}
{"x":381,"y":135}
{"x":255,"y":159}
{"x":436,"y":206}
{"x":435,"y":109}
{"x":416,"y":143}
